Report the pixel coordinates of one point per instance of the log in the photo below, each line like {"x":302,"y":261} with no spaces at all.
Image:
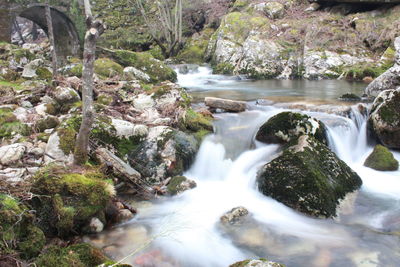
{"x":120,"y":168}
{"x":225,"y":104}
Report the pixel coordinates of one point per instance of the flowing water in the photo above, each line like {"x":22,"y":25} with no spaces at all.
{"x":185,"y":230}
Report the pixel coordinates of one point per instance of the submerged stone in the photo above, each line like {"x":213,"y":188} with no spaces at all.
{"x":382,"y":159}
{"x":308,"y":177}
{"x":288,"y":126}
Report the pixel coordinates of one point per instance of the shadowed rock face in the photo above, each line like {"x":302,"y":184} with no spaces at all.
{"x":66,"y":36}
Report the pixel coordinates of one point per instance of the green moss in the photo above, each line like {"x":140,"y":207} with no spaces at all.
{"x":72,"y":199}
{"x":80,"y":255}
{"x":76,"y":70}
{"x":44,"y":74}
{"x":195,"y":121}
{"x":104,"y":100}
{"x":48,"y":122}
{"x":107,"y":68}
{"x":224,"y":68}
{"x":10,"y":126}
{"x":67,"y":140}
{"x":145,"y":62}
{"x":17,"y":229}
{"x":13,"y":85}
{"x":156,"y":53}
{"x":51,"y":109}
{"x":382,"y":159}
{"x":173,"y":185}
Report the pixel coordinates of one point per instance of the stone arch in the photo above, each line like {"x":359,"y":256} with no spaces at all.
{"x":66,"y":36}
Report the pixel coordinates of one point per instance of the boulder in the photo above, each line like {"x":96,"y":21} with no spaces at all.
{"x":308,"y":177}
{"x":389,"y":79}
{"x":225,"y":104}
{"x":288,"y":126}
{"x":30,"y":69}
{"x":256,"y":263}
{"x":11,"y":154}
{"x":107,"y":68}
{"x":274,"y":10}
{"x":95,"y":225}
{"x":10,"y":126}
{"x":382,"y":159}
{"x":384,"y":120}
{"x":179,"y":184}
{"x":234,"y":216}
{"x":132,"y":73}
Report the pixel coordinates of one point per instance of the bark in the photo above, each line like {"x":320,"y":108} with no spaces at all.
{"x":50,"y":33}
{"x":34,"y":32}
{"x":225,"y":104}
{"x":94,"y":29}
{"x":18,"y":29}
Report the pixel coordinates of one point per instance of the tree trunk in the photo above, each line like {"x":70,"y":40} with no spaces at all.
{"x":50,"y":33}
{"x":34,"y":32}
{"x":18,"y":29}
{"x":94,"y":30}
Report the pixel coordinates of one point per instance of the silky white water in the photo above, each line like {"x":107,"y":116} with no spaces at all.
{"x":185,"y":230}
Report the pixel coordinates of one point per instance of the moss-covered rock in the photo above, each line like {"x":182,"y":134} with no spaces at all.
{"x":382,"y":159}
{"x":145,"y":62}
{"x":288,"y":126}
{"x":196,"y":123}
{"x":48,"y":122}
{"x":384,"y":120}
{"x":67,"y":201}
{"x":10,"y":125}
{"x":107,"y":68}
{"x":195,"y":48}
{"x":17,"y":230}
{"x":308,"y":177}
{"x":44,"y":73}
{"x":179,"y":184}
{"x":76,"y":70}
{"x":80,"y":255}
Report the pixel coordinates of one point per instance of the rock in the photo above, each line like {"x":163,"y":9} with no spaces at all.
{"x":312,"y":7}
{"x":10,"y":126}
{"x":26,"y":104}
{"x":11,"y":154}
{"x":274,"y":10}
{"x":13,"y":175}
{"x":257,"y":263}
{"x":389,"y":79}
{"x":179,"y":184}
{"x":350,"y":97}
{"x":65,"y":95}
{"x":95,"y":225}
{"x":132,"y":73}
{"x":30,"y":69}
{"x":384,"y":120}
{"x":124,"y":215}
{"x":288,"y":126}
{"x":54,"y":151}
{"x":234,"y":216}
{"x":48,"y":122}
{"x":126,"y":129}
{"x":107,"y":68}
{"x":308,"y":177}
{"x":225,"y":104}
{"x":382,"y":159}
{"x":143,"y":101}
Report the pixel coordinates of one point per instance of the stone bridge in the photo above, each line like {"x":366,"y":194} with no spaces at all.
{"x":67,"y":16}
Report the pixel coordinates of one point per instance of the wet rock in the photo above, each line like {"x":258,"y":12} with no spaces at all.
{"x":274,"y":10}
{"x":350,"y":97}
{"x":11,"y":154}
{"x":256,"y":263}
{"x":288,"y":126}
{"x":95,"y":225}
{"x":225,"y":104}
{"x":234,"y":216}
{"x":124,"y":215}
{"x":179,"y":184}
{"x":389,"y":79}
{"x":384,"y":120}
{"x":382,"y":159}
{"x":308,"y":177}
{"x":131,"y":73}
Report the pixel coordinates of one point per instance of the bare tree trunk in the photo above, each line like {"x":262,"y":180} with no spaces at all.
{"x":18,"y":29}
{"x":34,"y":31}
{"x":50,"y":33}
{"x":94,"y":29}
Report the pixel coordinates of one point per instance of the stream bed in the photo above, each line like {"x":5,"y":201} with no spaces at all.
{"x":185,"y":230}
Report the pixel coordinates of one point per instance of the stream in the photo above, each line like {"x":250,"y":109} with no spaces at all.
{"x":185,"y":230}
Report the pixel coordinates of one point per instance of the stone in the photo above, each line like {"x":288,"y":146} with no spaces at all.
{"x":179,"y":184}
{"x":381,"y":159}
{"x":288,"y":126}
{"x":124,"y":215}
{"x":308,"y":177}
{"x":225,"y":104}
{"x":30,"y":69}
{"x":11,"y":154}
{"x":54,"y":152}
{"x":384,"y":120}
{"x":257,"y":263}
{"x":390,"y":79}
{"x":95,"y":225}
{"x":143,"y":101}
{"x":132,"y":73}
{"x":274,"y":10}
{"x":64,"y":95}
{"x":313,"y":7}
{"x":234,"y":216}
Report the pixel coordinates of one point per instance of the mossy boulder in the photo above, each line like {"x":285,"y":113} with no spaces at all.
{"x":196,"y":123}
{"x":382,"y":159}
{"x":256,"y":263}
{"x":288,"y":126}
{"x":107,"y":68}
{"x":76,"y":70}
{"x":66,"y":201}
{"x":308,"y":177}
{"x":79,"y":255}
{"x":49,"y":122}
{"x":384,"y":120}
{"x":17,"y":230}
{"x":10,"y":125}
{"x":195,"y":48}
{"x":179,"y":184}
{"x":145,"y":62}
